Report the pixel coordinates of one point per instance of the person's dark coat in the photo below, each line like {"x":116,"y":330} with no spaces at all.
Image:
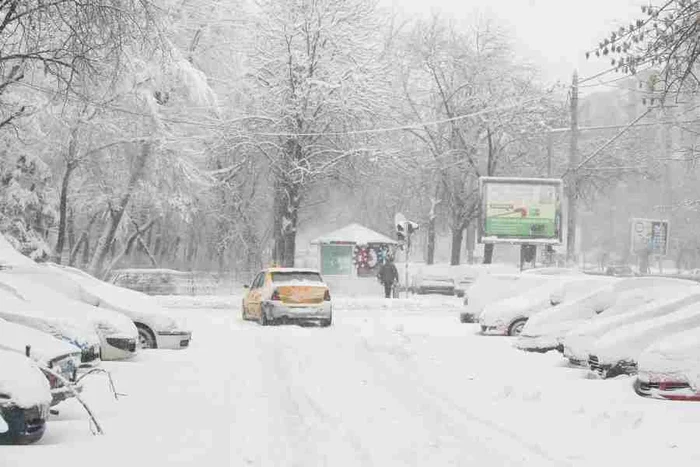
{"x":388,"y":274}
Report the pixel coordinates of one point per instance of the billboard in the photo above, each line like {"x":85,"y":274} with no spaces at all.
{"x":649,"y":236}
{"x":521,"y":210}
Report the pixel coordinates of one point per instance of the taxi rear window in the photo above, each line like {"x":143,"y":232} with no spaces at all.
{"x":296,"y":276}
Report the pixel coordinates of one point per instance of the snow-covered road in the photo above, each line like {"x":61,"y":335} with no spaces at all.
{"x":390,"y":383}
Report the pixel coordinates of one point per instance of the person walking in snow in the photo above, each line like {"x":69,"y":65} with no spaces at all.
{"x":388,"y":275}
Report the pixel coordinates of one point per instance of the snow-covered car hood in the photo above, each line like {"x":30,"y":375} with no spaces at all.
{"x":137,"y":306}
{"x":580,"y":339}
{"x":32,"y":288}
{"x":523,"y":305}
{"x":22,"y":381}
{"x":68,"y":328}
{"x":628,"y":342}
{"x":490,"y":288}
{"x":616,"y":299}
{"x":43,"y":347}
{"x":673,"y":358}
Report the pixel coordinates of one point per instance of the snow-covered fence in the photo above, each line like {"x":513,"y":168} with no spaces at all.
{"x":173,"y":282}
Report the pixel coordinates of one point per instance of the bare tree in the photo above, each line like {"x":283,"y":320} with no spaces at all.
{"x":315,"y":78}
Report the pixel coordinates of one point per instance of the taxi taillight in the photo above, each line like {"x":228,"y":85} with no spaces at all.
{"x":327,"y":296}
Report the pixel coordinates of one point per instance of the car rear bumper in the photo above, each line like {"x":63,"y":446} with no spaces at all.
{"x":279,"y":311}
{"x":174,"y":339}
{"x":26,"y":426}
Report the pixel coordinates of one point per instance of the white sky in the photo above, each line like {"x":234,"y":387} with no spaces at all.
{"x":553,"y":34}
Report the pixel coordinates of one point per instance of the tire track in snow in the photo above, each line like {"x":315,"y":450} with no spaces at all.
{"x":307,"y":426}
{"x":439,"y":404}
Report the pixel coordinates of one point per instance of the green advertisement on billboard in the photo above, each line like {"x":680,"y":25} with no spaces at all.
{"x":336,"y":260}
{"x":521,"y":210}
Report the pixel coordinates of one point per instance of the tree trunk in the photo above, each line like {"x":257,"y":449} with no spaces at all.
{"x":457,"y":237}
{"x":62,"y":213}
{"x":287,"y":203}
{"x":431,"y":242}
{"x":71,"y":164}
{"x":278,"y":208}
{"x":470,"y":240}
{"x":83,"y":240}
{"x":113,"y":221}
{"x":290,"y":229}
{"x":488,"y":253}
{"x":70,"y":231}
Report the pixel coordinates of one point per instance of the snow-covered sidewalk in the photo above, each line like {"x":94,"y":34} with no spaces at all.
{"x":391,"y":383}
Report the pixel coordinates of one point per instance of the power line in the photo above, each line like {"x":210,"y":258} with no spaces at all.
{"x":220,"y":124}
{"x":413,"y":126}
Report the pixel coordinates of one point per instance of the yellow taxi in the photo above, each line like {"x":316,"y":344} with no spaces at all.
{"x":288,"y":295}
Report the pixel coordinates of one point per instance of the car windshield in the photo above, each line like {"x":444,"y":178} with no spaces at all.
{"x":296,"y":276}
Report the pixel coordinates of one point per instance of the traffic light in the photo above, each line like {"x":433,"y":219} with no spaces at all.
{"x":401,"y":232}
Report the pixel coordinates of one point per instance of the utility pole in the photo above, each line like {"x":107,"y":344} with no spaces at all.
{"x":573,"y":176}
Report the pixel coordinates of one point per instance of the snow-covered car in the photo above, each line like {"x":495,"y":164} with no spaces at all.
{"x":670,"y":368}
{"x":663,"y":300}
{"x":489,"y":288}
{"x":66,"y":327}
{"x":24,"y":399}
{"x":508,"y":317}
{"x":57,"y":355}
{"x":279,"y":295}
{"x":117,"y":334}
{"x":156,"y":328}
{"x":441,"y":285}
{"x":546,"y":330}
{"x":616,"y":352}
